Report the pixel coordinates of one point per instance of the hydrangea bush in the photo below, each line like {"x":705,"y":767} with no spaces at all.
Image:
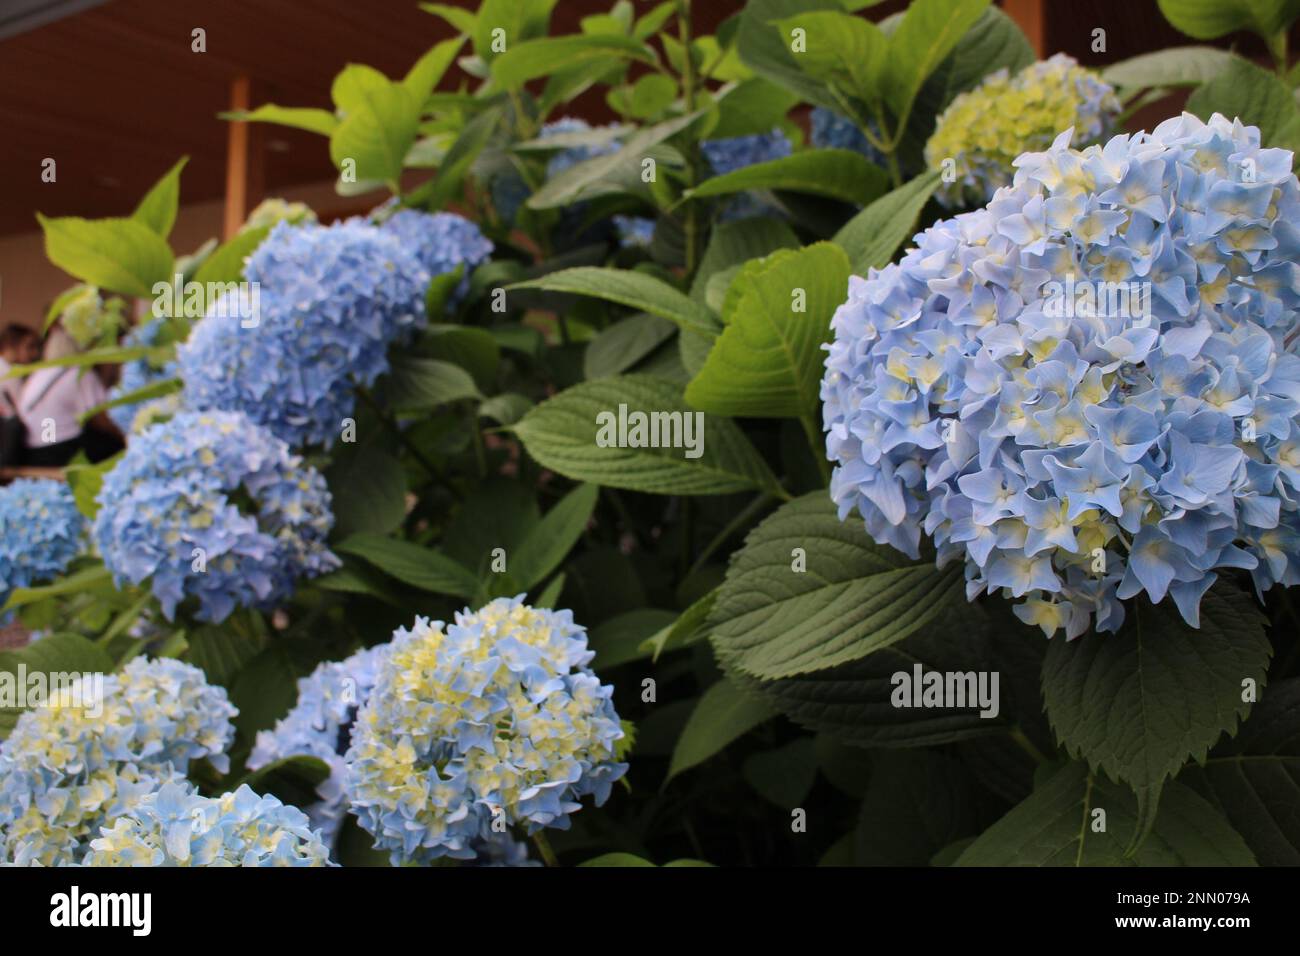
{"x":899,"y":418}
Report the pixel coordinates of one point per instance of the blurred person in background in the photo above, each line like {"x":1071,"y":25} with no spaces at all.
{"x":51,"y":405}
{"x":19,"y":345}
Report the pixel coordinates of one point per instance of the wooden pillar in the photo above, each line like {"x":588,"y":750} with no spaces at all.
{"x":243,"y":160}
{"x":1031,"y":17}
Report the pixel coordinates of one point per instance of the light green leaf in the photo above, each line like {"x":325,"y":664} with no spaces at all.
{"x":735,"y":243}
{"x":836,"y":173}
{"x":768,"y":360}
{"x":751,"y":106}
{"x":460,"y":19}
{"x":766,"y":49}
{"x":157,"y":209}
{"x":120,"y":255}
{"x":648,"y":24}
{"x":517,"y":20}
{"x":547,"y":544}
{"x":562,"y":434}
{"x":318,"y":121}
{"x":637,"y":290}
{"x":1211,"y":19}
{"x":108,"y":355}
{"x":687,"y":629}
{"x":1054,"y":827}
{"x":928,"y":32}
{"x":1172,"y":690}
{"x":460,"y":157}
{"x":83,"y":580}
{"x":840,"y":49}
{"x":602,"y":175}
{"x":540,"y":57}
{"x":723,"y":715}
{"x":143,"y":394}
{"x":873,"y":236}
{"x":651,"y":95}
{"x":86,"y":479}
{"x":411,"y":564}
{"x":353,"y":83}
{"x":377,"y":131}
{"x":227,"y":263}
{"x":422,"y":78}
{"x":1253,"y":95}
{"x":622,"y":638}
{"x":1179,"y":66}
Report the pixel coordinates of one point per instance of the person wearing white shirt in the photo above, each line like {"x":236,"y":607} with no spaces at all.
{"x":51,"y":405}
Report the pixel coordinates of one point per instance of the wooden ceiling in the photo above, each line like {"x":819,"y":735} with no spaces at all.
{"x":114,"y":94}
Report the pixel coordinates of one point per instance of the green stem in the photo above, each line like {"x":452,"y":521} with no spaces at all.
{"x":544,"y":849}
{"x":1027,"y":745}
{"x":692,"y":158}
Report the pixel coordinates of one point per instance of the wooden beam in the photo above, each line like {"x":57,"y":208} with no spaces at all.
{"x":1031,"y":17}
{"x":243,"y":161}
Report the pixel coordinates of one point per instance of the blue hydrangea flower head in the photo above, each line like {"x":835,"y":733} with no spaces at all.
{"x":97,"y":746}
{"x":175,"y":826}
{"x":1089,"y":389}
{"x":211,"y":506}
{"x":736,"y":152}
{"x":440,"y":242}
{"x":494,"y":718}
{"x":41,"y":531}
{"x":138,"y":374}
{"x":570,"y":157}
{"x":830,"y":130}
{"x":320,"y":725}
{"x":510,"y":191}
{"x":330,"y":302}
{"x":634,"y":231}
{"x":983,"y":130}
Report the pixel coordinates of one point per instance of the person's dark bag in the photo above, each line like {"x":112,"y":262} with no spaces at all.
{"x":13,"y":433}
{"x":13,"y":441}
